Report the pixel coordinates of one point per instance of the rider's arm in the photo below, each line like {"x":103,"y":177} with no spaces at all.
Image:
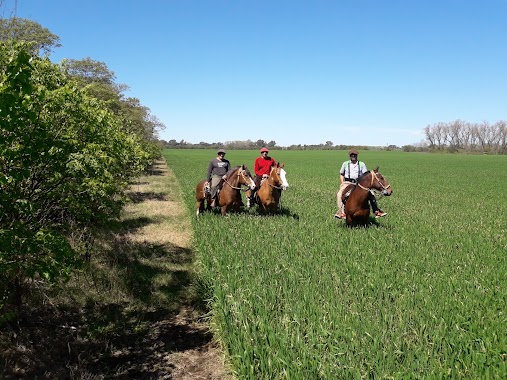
{"x":257,"y":167}
{"x":342,"y":172}
{"x":210,"y":170}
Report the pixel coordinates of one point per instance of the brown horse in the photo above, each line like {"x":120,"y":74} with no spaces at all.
{"x":229,"y":196}
{"x":269,"y":194}
{"x":357,"y":207}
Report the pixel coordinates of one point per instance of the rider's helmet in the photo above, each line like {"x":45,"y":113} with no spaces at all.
{"x":221,"y":151}
{"x":353,"y":151}
{"x":264,"y":150}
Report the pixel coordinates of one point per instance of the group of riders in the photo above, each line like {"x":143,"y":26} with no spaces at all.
{"x":350,"y":171}
{"x":219,"y":166}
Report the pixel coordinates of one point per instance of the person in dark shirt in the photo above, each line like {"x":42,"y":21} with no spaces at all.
{"x":217,"y":171}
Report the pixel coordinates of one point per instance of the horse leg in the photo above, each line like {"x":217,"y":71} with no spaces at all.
{"x":198,"y":207}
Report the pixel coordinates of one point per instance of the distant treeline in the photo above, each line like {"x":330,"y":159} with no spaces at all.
{"x":457,"y":136}
{"x":249,"y":145}
{"x":461,"y":136}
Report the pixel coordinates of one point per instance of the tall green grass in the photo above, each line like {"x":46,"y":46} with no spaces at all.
{"x":421,"y":294}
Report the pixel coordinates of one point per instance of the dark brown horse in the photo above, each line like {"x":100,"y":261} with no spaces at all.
{"x":357,"y":207}
{"x":229,"y":196}
{"x":269,"y":194}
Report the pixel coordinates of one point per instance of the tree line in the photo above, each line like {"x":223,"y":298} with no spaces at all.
{"x":70,"y":143}
{"x":252,"y":145}
{"x":469,"y":137}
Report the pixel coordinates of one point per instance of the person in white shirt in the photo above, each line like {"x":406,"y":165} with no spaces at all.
{"x":349,"y":173}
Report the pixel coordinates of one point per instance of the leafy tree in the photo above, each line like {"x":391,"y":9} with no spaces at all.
{"x":260,"y":143}
{"x":96,"y":78}
{"x":20,"y":29}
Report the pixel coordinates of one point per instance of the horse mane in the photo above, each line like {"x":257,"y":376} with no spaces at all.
{"x":363,"y":175}
{"x":235,"y":169}
{"x":232,"y":171}
{"x":248,"y":171}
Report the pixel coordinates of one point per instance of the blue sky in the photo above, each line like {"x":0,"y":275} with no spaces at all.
{"x":356,"y":72}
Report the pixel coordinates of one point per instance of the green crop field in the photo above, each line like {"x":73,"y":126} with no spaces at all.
{"x":422,"y":294}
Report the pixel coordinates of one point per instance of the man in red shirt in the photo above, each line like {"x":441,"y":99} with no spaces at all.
{"x":262,"y":168}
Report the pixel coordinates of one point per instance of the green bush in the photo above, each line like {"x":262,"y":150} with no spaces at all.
{"x":65,"y":161}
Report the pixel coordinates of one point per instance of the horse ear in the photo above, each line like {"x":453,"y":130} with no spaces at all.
{"x":376,"y":170}
{"x":281,"y":166}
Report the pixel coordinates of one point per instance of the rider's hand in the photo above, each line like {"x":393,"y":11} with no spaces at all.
{"x":264,"y":176}
{"x":224,"y":176}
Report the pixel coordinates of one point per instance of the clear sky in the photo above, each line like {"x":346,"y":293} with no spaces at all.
{"x":354,"y":72}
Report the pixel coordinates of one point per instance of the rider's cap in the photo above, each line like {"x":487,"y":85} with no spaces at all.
{"x":221,"y":151}
{"x":353,"y":152}
{"x":264,"y":150}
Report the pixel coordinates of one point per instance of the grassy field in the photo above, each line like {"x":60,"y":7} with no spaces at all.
{"x":422,"y":294}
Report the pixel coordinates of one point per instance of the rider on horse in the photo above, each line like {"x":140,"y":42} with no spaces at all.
{"x":217,"y":170}
{"x":349,"y":173}
{"x":262,"y":168}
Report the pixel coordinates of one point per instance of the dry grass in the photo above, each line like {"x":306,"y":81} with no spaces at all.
{"x":132,"y":312}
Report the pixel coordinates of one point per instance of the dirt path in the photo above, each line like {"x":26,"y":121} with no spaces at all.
{"x":194,"y":355}
{"x":202,"y":359}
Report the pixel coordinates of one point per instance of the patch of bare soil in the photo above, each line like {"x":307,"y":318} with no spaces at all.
{"x":116,"y":340}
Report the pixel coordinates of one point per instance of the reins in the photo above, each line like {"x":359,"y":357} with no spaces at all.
{"x":373,"y":178}
{"x":274,"y":186}
{"x":240,"y":172}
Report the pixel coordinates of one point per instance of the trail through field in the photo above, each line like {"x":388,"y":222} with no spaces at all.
{"x":193,"y":354}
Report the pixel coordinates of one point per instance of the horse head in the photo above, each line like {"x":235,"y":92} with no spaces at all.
{"x":245,"y":178}
{"x":380,"y":183}
{"x":278,"y":174}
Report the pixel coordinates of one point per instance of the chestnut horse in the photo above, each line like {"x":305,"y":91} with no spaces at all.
{"x":357,"y":207}
{"x":269,"y":194}
{"x":229,"y":196}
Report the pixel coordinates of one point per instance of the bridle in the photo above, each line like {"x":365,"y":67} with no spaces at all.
{"x":279,"y":180}
{"x":373,"y":178}
{"x":245,"y":179}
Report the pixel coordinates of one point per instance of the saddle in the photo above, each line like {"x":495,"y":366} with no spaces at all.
{"x":347,"y":192}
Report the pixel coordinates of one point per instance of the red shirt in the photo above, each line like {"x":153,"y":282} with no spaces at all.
{"x":263,"y":165}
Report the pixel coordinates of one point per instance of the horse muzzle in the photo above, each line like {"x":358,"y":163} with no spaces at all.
{"x":387,"y":192}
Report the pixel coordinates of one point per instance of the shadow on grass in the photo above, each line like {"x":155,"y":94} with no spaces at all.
{"x":125,"y":339}
{"x":372,"y":223}
{"x":284,"y":212}
{"x":155,"y":171}
{"x":146,"y":268}
{"x":97,"y":342}
{"x":137,"y":197}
